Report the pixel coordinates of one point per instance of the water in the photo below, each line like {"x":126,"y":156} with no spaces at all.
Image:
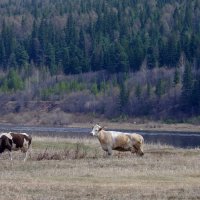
{"x":177,"y":139}
{"x":183,"y":140}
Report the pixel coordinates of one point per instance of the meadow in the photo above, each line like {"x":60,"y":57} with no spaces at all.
{"x":77,"y":168}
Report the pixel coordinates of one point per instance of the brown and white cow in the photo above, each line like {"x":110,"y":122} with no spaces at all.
{"x":14,"y":142}
{"x":112,"y":140}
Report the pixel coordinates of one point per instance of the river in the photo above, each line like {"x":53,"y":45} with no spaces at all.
{"x":176,"y":139}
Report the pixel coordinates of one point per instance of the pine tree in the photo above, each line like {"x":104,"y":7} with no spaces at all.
{"x":12,"y":61}
{"x":151,"y":57}
{"x":188,"y":15}
{"x":136,"y":53}
{"x":195,"y":96}
{"x":123,"y":97}
{"x":35,"y":51}
{"x":21,"y":55}
{"x":138,"y":91}
{"x":111,"y":60}
{"x":123,"y":62}
{"x":176,"y":77}
{"x":66,"y":60}
{"x":50,"y":58}
{"x":14,"y":81}
{"x":187,"y":86}
{"x":163,"y":57}
{"x":3,"y":60}
{"x":160,"y":88}
{"x":149,"y":90}
{"x":173,"y":51}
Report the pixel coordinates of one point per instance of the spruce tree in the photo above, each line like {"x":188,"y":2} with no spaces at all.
{"x":123,"y":97}
{"x":176,"y":77}
{"x":187,"y":85}
{"x":21,"y":55}
{"x":160,"y":88}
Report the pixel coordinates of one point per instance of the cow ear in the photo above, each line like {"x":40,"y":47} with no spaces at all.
{"x":101,"y":128}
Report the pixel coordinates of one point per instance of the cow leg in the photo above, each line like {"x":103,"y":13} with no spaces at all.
{"x":109,"y":151}
{"x":10,"y":154}
{"x":133,"y":150}
{"x":27,"y":151}
{"x":25,"y":158}
{"x":30,"y":150}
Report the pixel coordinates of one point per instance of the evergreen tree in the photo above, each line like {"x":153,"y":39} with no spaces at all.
{"x":8,"y":41}
{"x":195,"y":96}
{"x":70,"y":31}
{"x":138,"y":91}
{"x":123,"y":97}
{"x":188,"y":15}
{"x":50,"y":58}
{"x":136,"y":53}
{"x":21,"y":55}
{"x":160,"y":88}
{"x":176,"y":77}
{"x":116,"y":36}
{"x":66,"y":60}
{"x":173,"y":51}
{"x":194,"y":45}
{"x":43,"y":39}
{"x":3,"y":60}
{"x":163,"y":57}
{"x":111,"y":59}
{"x":149,"y":90}
{"x":121,"y":59}
{"x":35,"y":51}
{"x":12,"y":61}
{"x":187,"y":86}
{"x":14,"y":81}
{"x":151,"y":57}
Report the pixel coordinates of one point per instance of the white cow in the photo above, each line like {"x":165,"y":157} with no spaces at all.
{"x":112,"y":140}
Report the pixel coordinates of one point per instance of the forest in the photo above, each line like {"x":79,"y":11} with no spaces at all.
{"x":114,"y":58}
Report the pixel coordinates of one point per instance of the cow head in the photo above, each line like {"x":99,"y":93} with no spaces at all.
{"x":96,"y":130}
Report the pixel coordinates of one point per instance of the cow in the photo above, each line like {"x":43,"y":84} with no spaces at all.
{"x":112,"y":140}
{"x":14,"y":142}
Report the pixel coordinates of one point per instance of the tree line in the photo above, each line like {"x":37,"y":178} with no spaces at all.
{"x":80,"y":36}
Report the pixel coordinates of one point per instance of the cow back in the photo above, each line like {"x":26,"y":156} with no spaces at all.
{"x":18,"y":139}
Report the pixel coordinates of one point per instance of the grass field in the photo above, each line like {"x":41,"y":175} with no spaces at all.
{"x":78,"y":169}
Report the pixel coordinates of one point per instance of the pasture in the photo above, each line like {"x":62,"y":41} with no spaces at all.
{"x":73,"y":168}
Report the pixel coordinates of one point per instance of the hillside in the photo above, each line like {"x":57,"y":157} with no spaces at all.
{"x":114,"y":59}
{"x":77,"y":36}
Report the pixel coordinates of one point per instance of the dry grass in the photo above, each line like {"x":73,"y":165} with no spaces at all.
{"x":78,"y":169}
